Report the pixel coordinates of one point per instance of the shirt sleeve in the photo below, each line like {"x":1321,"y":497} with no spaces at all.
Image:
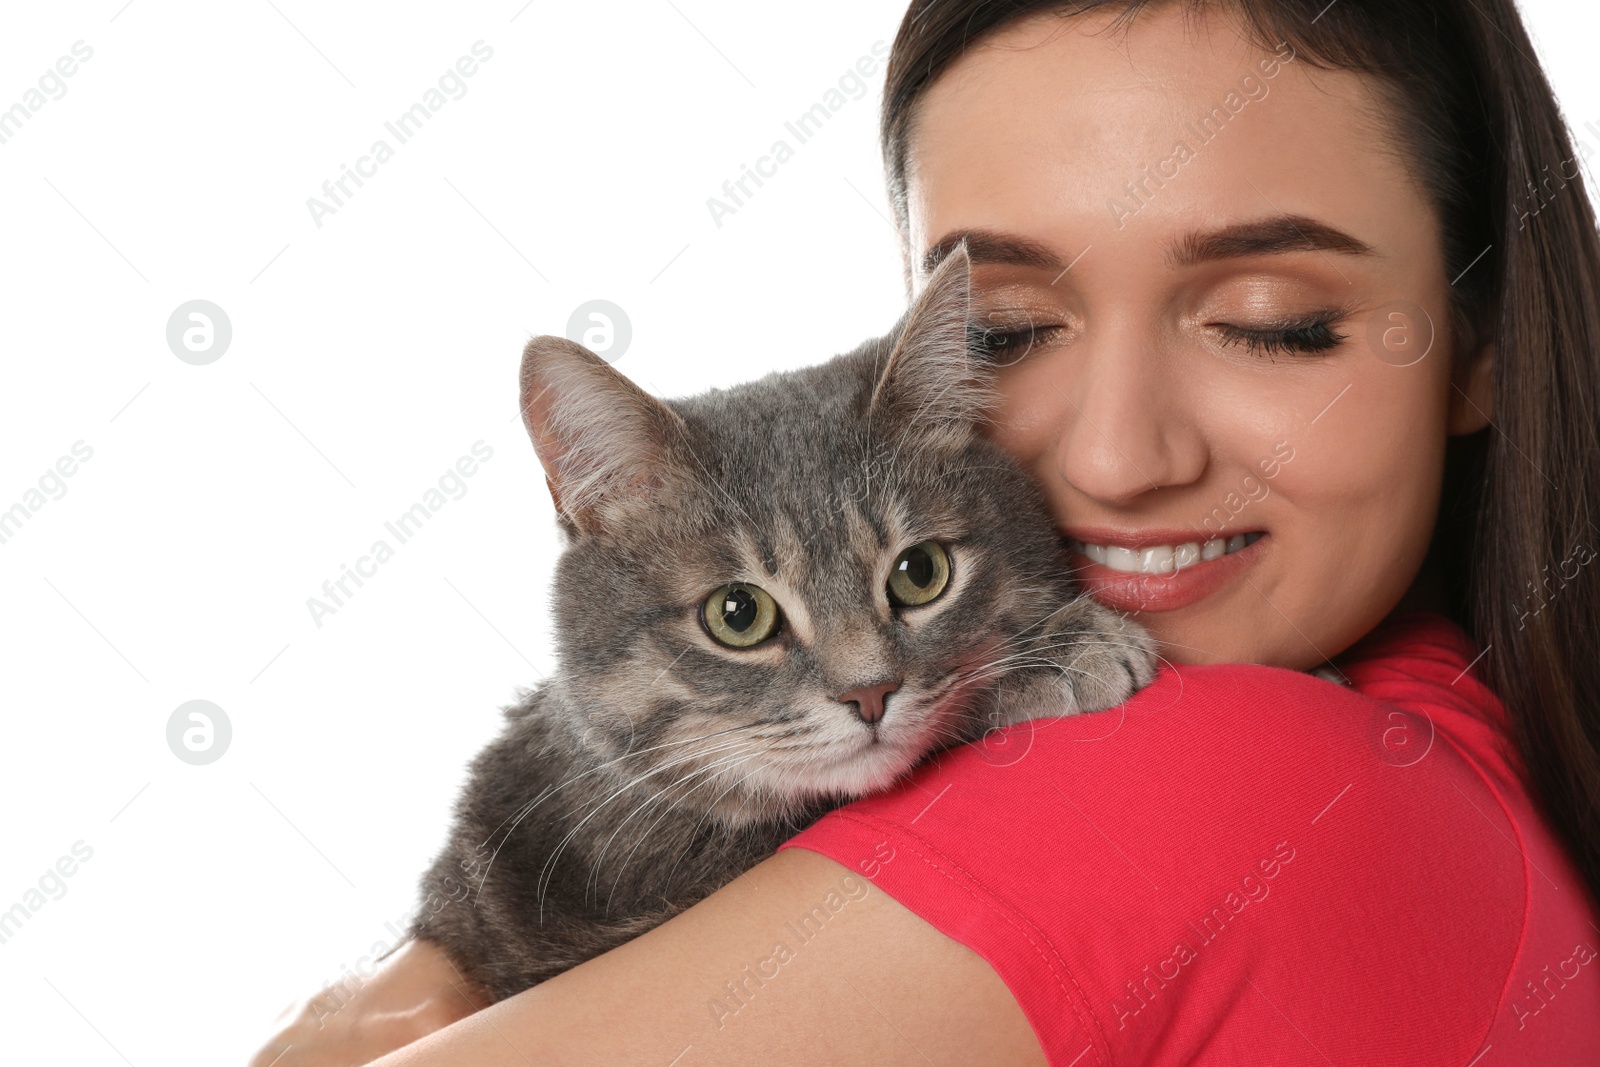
{"x":1240,"y":864}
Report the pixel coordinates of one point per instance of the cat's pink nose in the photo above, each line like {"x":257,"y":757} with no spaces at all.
{"x":869,"y":699}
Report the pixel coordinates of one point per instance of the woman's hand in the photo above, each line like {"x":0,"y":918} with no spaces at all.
{"x":415,"y":992}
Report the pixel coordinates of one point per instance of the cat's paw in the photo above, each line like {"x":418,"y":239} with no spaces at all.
{"x":1114,"y":658}
{"x":1089,"y":659}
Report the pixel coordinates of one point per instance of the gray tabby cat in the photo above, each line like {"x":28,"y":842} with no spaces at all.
{"x":773,"y":599}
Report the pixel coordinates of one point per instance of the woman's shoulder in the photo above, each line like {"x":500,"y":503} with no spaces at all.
{"x":1234,"y":737}
{"x":1226,"y":750}
{"x":1410,"y":685}
{"x":1229,"y":826}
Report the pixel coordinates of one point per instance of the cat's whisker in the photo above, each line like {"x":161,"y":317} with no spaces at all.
{"x":1023,"y":661}
{"x":549,"y":864}
{"x":708,"y":779}
{"x":644,"y":835}
{"x":527,"y":810}
{"x":1104,"y":640}
{"x":708,"y":808}
{"x":1045,"y":619}
{"x":550,"y":791}
{"x":706,"y":769}
{"x":1079,"y":639}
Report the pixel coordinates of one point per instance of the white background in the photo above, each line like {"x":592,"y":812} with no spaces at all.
{"x":368,"y":354}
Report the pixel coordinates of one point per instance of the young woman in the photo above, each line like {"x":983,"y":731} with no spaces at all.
{"x":1317,"y":281}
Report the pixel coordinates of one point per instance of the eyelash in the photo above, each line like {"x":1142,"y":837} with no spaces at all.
{"x":996,"y":346}
{"x":1308,"y":336}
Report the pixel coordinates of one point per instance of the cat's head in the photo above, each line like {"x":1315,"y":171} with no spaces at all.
{"x":795,"y":589}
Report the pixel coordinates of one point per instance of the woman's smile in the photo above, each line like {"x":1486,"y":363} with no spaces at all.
{"x":1152,"y":570}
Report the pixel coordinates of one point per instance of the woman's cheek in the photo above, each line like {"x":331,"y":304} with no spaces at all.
{"x":1028,"y":418}
{"x":1363,"y":492}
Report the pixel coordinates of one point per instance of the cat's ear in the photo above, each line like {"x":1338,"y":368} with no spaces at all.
{"x":604,"y":442}
{"x":935,"y":388}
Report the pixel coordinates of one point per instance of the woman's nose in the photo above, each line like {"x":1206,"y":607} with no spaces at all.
{"x":1129,"y":424}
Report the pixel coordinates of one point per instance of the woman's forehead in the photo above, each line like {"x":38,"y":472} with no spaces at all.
{"x":1152,"y":131}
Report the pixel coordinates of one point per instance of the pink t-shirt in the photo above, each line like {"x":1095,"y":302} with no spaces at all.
{"x":1246,"y":864}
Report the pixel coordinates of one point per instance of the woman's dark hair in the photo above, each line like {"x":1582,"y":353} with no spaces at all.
{"x":1515,"y":536}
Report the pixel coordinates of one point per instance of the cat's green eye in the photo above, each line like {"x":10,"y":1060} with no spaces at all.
{"x":920,"y":574}
{"x":740,"y":615}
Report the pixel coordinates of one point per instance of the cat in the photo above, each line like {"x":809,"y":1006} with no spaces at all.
{"x":773,"y":599}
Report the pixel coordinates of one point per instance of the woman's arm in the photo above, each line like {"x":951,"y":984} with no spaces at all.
{"x":760,"y":971}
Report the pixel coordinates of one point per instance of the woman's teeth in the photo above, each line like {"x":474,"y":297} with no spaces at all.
{"x":1164,"y":559}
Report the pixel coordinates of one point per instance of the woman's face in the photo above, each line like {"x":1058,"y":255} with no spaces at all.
{"x":1214,"y":287}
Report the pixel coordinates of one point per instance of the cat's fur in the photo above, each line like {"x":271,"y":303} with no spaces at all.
{"x":654,"y":765}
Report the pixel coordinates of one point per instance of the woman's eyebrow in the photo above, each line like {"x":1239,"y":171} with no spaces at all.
{"x":1255,"y":237}
{"x":988,"y":246}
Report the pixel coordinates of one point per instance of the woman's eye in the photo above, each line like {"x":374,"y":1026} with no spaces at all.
{"x":919,"y":574}
{"x":1000,"y":345}
{"x":1306,"y":336}
{"x":740,"y":615}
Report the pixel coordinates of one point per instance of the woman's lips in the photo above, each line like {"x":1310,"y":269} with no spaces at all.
{"x":1126,"y":591}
